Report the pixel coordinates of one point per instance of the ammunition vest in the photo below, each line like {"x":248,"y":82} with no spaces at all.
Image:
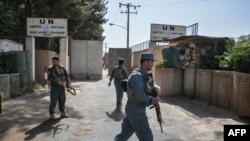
{"x":147,"y":88}
{"x":58,"y":73}
{"x":118,"y":73}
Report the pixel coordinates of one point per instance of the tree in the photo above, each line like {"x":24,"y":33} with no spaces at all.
{"x":8,"y":20}
{"x":91,"y":29}
{"x":243,"y":41}
{"x":237,"y":54}
{"x":85,"y":17}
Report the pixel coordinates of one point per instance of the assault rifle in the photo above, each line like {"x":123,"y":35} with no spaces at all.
{"x":70,"y":89}
{"x":154,"y":93}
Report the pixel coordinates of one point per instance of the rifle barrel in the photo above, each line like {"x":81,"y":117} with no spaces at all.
{"x":161,"y":128}
{"x":158,"y":113}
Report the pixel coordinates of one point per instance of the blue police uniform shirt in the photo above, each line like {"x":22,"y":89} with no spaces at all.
{"x":138,"y":84}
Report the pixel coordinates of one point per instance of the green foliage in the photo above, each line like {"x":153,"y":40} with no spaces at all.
{"x":37,"y":86}
{"x":1,"y":70}
{"x":243,"y":41}
{"x":9,"y":22}
{"x":85,"y":18}
{"x":209,"y":61}
{"x":4,"y":66}
{"x":243,"y":64}
{"x":230,"y":43}
{"x":161,"y":64}
{"x":236,"y":57}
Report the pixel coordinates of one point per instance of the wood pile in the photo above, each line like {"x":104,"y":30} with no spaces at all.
{"x":187,"y":55}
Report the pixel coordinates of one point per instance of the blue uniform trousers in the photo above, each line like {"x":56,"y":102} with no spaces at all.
{"x":135,"y":122}
{"x":119,"y":96}
{"x":57,"y":94}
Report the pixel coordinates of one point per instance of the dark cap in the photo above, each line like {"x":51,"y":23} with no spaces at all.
{"x":147,"y":56}
{"x":55,"y":58}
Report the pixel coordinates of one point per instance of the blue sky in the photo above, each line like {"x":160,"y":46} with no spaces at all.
{"x":216,"y":18}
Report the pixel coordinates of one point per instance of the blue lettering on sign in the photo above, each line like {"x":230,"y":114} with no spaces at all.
{"x":46,"y":27}
{"x":168,"y":33}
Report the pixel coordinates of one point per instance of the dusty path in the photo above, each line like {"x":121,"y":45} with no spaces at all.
{"x":91,"y":117}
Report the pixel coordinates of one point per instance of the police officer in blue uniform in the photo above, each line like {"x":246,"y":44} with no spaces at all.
{"x":118,"y":73}
{"x":136,"y":119}
{"x":59,"y":79}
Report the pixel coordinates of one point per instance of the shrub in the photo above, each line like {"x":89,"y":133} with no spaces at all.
{"x":37,"y":86}
{"x":161,"y":64}
{"x":235,"y":58}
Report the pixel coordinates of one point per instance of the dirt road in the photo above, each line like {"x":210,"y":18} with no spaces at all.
{"x":91,"y":117}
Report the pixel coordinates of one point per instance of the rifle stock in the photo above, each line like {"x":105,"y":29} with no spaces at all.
{"x":71,"y":90}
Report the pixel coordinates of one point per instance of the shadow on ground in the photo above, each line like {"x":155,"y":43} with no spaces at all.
{"x":197,"y":108}
{"x":28,"y":110}
{"x":44,"y":127}
{"x":116,"y":115}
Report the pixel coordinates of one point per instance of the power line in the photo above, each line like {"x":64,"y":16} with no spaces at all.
{"x":128,"y":5}
{"x":180,"y":2}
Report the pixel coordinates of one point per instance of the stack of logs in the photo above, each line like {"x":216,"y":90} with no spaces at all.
{"x":187,"y":55}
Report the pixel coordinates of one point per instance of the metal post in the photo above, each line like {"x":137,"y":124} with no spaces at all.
{"x":128,"y":5}
{"x":128,"y":26}
{"x":46,"y":78}
{"x":0,"y":103}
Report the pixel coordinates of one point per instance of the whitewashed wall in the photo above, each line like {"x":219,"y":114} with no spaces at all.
{"x":8,"y":45}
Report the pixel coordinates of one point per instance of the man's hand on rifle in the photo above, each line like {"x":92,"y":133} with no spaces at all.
{"x":154,"y":93}
{"x":68,"y":84}
{"x":154,"y":100}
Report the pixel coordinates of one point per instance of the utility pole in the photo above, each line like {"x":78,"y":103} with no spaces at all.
{"x":105,"y":49}
{"x":128,"y":5}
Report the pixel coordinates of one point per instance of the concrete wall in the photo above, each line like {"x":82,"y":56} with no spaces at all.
{"x":63,"y":53}
{"x":30,"y":47}
{"x":136,"y":56}
{"x":115,"y":54}
{"x":8,"y":45}
{"x":42,"y":58}
{"x":153,"y":48}
{"x":86,"y":59}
